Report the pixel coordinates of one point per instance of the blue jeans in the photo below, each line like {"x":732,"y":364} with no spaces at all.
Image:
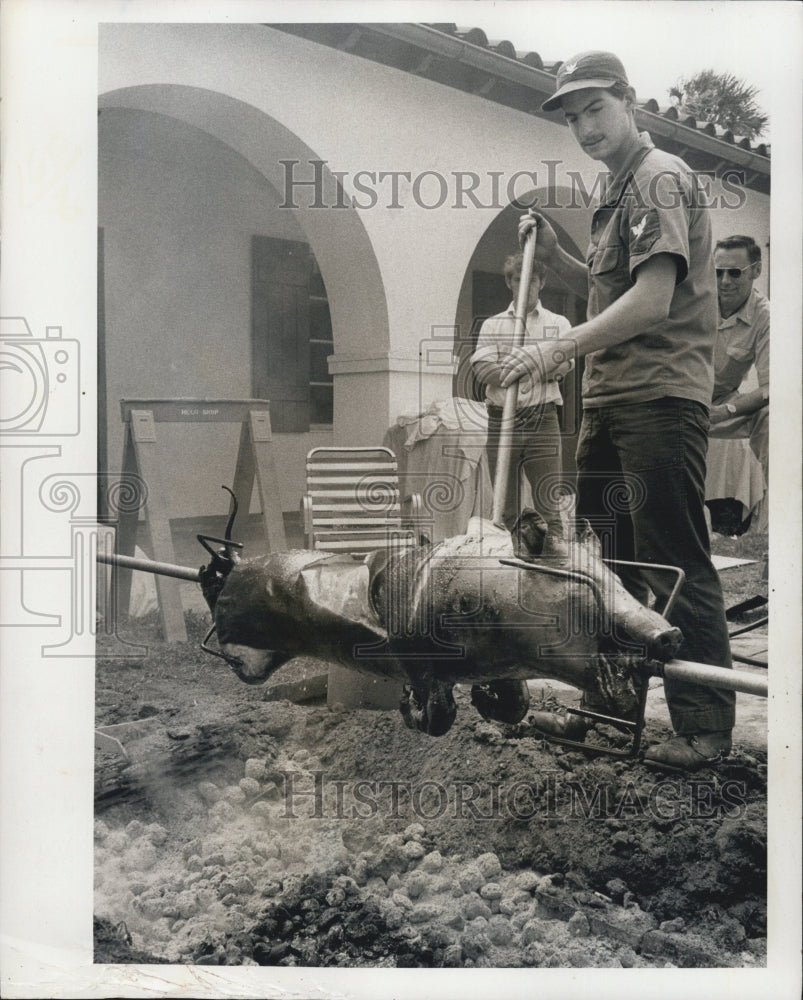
{"x":641,"y":484}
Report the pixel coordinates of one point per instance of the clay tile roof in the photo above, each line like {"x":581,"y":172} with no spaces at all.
{"x":504,"y":48}
{"x":476,"y":36}
{"x":531,"y":59}
{"x":463,"y":57}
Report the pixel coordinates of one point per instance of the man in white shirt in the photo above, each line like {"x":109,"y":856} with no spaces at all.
{"x":536,"y":442}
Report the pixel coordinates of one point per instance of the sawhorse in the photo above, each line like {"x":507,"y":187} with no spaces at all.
{"x":141,"y":459}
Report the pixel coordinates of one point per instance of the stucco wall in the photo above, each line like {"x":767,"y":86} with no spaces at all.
{"x":358,"y":116}
{"x":178,"y":209}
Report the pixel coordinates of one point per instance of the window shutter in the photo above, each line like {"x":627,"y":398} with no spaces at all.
{"x":280,"y":330}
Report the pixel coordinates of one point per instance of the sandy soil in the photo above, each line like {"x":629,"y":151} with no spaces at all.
{"x":246,"y":831}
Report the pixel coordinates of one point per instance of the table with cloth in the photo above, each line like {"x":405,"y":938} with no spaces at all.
{"x":733,"y":470}
{"x":441,"y":456}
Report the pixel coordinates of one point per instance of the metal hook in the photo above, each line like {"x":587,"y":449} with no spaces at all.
{"x":231,"y":661}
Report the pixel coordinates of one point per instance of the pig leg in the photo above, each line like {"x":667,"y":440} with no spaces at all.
{"x":501,"y":701}
{"x":428,"y":706}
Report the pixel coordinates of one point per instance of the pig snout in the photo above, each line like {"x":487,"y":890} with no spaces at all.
{"x":640,"y":626}
{"x":663,"y":645}
{"x":631,"y":623}
{"x":627,"y":621}
{"x":252,"y":666}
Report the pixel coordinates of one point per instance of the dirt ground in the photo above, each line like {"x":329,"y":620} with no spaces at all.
{"x":242,"y":831}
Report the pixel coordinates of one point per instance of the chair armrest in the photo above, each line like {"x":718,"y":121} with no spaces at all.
{"x":416,"y":508}
{"x":413,"y":514}
{"x":306,"y":518}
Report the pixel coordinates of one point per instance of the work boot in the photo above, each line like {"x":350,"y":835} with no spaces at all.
{"x":564,"y":727}
{"x":690,"y":751}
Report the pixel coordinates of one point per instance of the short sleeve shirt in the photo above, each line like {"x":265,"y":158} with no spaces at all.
{"x":743,"y":340}
{"x":496,"y":340}
{"x":654,"y":206}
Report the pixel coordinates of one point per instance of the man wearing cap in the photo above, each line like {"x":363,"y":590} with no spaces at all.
{"x":743,"y":340}
{"x":648,"y":344}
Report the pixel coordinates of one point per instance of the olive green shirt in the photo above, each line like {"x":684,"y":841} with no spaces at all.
{"x":654,"y":206}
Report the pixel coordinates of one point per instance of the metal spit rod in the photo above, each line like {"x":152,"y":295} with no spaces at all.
{"x":149,"y":566}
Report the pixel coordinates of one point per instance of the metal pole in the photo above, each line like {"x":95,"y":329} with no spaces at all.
{"x":716,"y":677}
{"x":149,"y":566}
{"x":512,"y":391}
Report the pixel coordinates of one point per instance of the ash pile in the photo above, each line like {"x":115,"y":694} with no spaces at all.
{"x":326,"y":838}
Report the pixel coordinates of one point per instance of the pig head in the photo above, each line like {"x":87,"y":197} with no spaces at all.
{"x":466,"y":610}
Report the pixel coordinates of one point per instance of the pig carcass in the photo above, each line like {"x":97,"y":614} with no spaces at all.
{"x":465,"y":610}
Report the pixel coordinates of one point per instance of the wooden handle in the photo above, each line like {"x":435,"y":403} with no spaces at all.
{"x":512,"y":392}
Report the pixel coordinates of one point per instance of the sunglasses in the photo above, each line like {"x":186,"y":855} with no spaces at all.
{"x":732,"y":272}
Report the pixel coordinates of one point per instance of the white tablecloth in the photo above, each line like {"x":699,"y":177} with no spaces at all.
{"x":734,"y":471}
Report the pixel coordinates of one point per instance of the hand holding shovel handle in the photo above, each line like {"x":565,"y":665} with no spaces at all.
{"x":512,"y":391}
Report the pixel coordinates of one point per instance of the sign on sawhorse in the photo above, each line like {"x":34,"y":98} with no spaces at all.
{"x":140,"y":458}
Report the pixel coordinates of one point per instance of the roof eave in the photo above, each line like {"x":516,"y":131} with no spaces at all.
{"x":436,"y":42}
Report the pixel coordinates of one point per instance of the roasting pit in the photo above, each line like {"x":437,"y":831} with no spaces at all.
{"x":246,"y":831}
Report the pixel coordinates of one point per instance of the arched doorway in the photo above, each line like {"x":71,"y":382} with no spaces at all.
{"x":484,"y":293}
{"x":196,"y":194}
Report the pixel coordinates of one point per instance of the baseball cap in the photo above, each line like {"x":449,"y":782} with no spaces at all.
{"x":586,"y":70}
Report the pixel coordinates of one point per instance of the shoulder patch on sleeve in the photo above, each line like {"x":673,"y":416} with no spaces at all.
{"x":644,"y":230}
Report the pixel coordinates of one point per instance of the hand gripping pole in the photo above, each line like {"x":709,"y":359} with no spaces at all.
{"x":512,"y":392}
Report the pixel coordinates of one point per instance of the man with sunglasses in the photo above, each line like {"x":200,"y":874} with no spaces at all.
{"x":743,"y":340}
{"x":648,"y":344}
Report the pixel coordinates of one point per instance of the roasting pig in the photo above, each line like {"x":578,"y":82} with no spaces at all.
{"x":466,"y":610}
